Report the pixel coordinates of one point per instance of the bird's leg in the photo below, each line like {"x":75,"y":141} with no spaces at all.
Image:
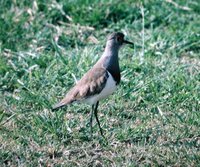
{"x":91,"y":116}
{"x":95,"y":114}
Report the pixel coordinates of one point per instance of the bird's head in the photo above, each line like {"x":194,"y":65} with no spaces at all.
{"x":117,"y":39}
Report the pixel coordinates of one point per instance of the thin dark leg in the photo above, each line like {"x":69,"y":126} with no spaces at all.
{"x":95,"y":114}
{"x":91,"y":116}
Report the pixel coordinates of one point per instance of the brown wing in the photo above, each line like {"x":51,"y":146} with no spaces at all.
{"x":91,"y":83}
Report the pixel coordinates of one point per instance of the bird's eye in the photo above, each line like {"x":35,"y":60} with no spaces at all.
{"x":119,"y":39}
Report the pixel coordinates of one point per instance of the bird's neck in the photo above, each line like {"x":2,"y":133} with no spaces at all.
{"x":109,"y":60}
{"x":110,"y":57}
{"x":111,"y":49}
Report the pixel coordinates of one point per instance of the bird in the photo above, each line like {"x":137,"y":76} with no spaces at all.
{"x":100,"y":81}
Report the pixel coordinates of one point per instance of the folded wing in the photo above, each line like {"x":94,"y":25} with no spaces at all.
{"x":91,"y":83}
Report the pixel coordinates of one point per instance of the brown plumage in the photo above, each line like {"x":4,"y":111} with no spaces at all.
{"x":91,"y":83}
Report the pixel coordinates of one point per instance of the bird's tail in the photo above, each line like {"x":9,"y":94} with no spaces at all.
{"x":57,"y":106}
{"x":62,"y":103}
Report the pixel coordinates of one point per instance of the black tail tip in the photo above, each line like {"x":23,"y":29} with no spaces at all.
{"x":56,"y":107}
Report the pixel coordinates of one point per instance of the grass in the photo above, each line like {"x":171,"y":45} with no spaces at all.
{"x":153,"y":118}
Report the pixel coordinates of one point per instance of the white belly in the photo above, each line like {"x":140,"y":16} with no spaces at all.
{"x":109,"y":88}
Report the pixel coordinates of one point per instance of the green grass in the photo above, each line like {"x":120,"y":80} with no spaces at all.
{"x":153,"y":119}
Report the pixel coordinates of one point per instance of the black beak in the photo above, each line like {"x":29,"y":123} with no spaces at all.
{"x":127,"y":42}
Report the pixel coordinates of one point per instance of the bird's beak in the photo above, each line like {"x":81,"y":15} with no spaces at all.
{"x":127,"y":42}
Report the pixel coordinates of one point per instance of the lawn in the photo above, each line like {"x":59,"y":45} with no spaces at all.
{"x":153,"y":119}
